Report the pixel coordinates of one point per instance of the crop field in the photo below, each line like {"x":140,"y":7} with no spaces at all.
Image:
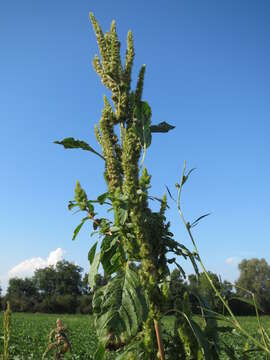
{"x":30,"y":335}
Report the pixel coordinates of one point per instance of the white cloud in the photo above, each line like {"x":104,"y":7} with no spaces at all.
{"x":233,"y":261}
{"x":27,"y":267}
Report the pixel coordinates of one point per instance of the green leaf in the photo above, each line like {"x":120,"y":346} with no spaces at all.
{"x":122,"y":306}
{"x":185,"y":177}
{"x":114,"y":229}
{"x":200,"y":336}
{"x":94,"y":270}
{"x":196,"y":222}
{"x":162,"y":127}
{"x":72,"y":205}
{"x":101,"y":198}
{"x":92,"y":252}
{"x":110,"y":253}
{"x":142,"y":119}
{"x":136,"y":348}
{"x":78,"y":228}
{"x":123,"y":215}
{"x":100,"y":352}
{"x":71,"y":143}
{"x":90,"y":206}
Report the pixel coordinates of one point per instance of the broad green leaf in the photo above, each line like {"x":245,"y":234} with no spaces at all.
{"x":78,"y":228}
{"x":121,"y":306}
{"x":110,"y":253}
{"x":92,"y":252}
{"x":71,"y":143}
{"x":94,"y":270}
{"x":162,"y":127}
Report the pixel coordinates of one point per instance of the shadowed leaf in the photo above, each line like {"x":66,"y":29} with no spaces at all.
{"x":162,"y":127}
{"x":198,"y":220}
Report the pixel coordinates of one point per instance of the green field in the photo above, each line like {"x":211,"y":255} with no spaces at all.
{"x":30,"y":335}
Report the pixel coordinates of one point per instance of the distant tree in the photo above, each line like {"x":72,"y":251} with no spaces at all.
{"x":59,"y":287}
{"x":204,"y":289}
{"x":255,"y":277}
{"x":85,"y":285}
{"x":178,"y":287}
{"x":46,"y":280}
{"x":63,"y":279}
{"x":68,"y":278}
{"x":22,"y":294}
{"x":1,"y":299}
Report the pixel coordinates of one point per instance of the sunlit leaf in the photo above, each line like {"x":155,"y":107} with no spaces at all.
{"x":78,"y":228}
{"x":94,"y":270}
{"x":71,"y":143}
{"x":92,"y":252}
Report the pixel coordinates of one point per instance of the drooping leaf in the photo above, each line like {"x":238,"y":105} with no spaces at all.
{"x":200,"y":336}
{"x":154,"y":198}
{"x":78,"y":228}
{"x":101,"y":198}
{"x":72,"y":205}
{"x":92,"y":252}
{"x":94,"y":270}
{"x":170,"y":193}
{"x":162,"y":127}
{"x":71,"y":143}
{"x":122,"y":307}
{"x":197,"y":220}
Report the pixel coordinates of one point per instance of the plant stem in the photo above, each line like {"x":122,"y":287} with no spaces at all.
{"x":159,"y":340}
{"x":217,"y":293}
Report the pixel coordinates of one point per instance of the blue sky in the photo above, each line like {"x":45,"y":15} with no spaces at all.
{"x":207,"y":73}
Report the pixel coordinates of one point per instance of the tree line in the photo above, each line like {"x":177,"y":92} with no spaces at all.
{"x":64,"y":289}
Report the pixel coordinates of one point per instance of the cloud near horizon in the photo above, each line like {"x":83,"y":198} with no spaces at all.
{"x":27,"y":267}
{"x":233,"y":260}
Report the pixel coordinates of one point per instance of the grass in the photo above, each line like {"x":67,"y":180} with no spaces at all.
{"x":29,"y":337}
{"x":30,"y":332}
